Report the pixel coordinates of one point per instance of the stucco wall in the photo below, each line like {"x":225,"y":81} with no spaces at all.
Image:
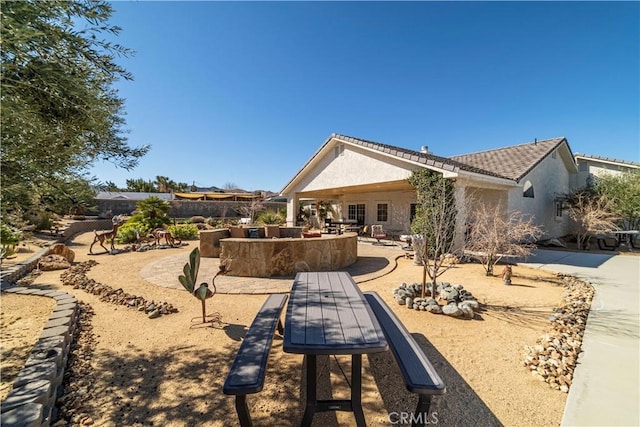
{"x":550,"y":179}
{"x":353,"y":167}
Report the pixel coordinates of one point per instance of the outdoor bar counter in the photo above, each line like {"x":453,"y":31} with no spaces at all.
{"x":284,"y":257}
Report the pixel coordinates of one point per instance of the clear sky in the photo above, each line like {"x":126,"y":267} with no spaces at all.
{"x":244,"y":93}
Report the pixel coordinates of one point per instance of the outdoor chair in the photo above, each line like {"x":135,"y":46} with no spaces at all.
{"x":377,"y":232}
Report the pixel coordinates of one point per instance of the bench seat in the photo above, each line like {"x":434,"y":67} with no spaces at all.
{"x":419,"y":375}
{"x":607,"y":243}
{"x":247,"y":372}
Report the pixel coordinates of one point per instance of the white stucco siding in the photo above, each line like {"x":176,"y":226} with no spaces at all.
{"x":398,"y":203}
{"x":353,"y":167}
{"x":550,"y":179}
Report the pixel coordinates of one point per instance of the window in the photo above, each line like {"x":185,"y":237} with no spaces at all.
{"x":356,"y":211}
{"x":382,"y":212}
{"x":338,"y":151}
{"x":584,"y":167}
{"x":553,"y":155}
{"x":558,"y":209}
{"x":528,"y":190}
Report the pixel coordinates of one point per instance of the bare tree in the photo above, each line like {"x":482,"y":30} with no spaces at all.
{"x":493,"y":234}
{"x":435,"y":222}
{"x":249,"y":209}
{"x":591,"y":214}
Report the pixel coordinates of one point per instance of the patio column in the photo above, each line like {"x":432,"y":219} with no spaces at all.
{"x":292,"y":211}
{"x":461,"y":220}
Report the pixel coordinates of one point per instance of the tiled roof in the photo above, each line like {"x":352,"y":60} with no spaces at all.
{"x":607,"y":159}
{"x":427,"y":159}
{"x":511,"y":162}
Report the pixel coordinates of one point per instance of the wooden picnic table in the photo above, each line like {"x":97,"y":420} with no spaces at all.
{"x":327,"y":314}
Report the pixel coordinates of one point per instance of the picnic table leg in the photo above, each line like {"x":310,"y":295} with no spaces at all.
{"x":356,"y":389}
{"x":312,"y":400}
{"x":421,"y":415}
{"x":243,"y":411}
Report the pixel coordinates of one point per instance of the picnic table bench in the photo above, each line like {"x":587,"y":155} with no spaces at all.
{"x":419,"y":375}
{"x":249,"y":366}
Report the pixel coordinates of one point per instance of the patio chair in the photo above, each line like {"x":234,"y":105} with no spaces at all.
{"x":377,"y":232}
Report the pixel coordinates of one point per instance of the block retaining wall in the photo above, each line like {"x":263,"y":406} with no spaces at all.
{"x":31,"y":402}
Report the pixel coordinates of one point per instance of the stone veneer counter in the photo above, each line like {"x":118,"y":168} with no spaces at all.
{"x":287,"y":256}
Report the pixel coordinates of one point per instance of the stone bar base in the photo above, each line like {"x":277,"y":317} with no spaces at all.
{"x":287,"y":256}
{"x":210,"y":239}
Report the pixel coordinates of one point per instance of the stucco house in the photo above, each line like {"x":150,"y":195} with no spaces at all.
{"x":593,"y":166}
{"x":367,"y":181}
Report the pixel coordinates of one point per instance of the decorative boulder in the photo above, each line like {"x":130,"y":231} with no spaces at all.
{"x":452,"y":310}
{"x":62,"y":250}
{"x":471,"y":303}
{"x":409,"y":302}
{"x":467,"y":312}
{"x":448,"y":294}
{"x":53,"y":262}
{"x":433,"y":308}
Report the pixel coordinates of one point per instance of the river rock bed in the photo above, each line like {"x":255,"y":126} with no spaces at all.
{"x":460,"y":303}
{"x":77,"y":278}
{"x":554,"y":356}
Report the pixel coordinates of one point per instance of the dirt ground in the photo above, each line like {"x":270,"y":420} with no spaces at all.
{"x":167,"y":372}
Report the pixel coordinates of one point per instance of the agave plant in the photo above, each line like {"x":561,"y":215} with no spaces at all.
{"x":189,"y":278}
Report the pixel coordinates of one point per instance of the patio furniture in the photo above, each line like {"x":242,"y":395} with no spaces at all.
{"x":377,"y":232}
{"x":327,"y":314}
{"x":249,"y":366}
{"x":419,"y":375}
{"x":627,"y":237}
{"x":606,"y":242}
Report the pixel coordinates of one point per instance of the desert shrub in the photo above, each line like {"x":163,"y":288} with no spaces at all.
{"x":184,"y":231}
{"x":271,"y":218}
{"x":130,"y":231}
{"x":42,"y":221}
{"x":197,"y":219}
{"x":9,"y":238}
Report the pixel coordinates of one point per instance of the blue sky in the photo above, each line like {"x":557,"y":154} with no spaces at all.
{"x":245,"y":92}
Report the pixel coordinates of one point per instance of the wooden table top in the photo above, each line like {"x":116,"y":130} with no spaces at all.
{"x":327,"y":314}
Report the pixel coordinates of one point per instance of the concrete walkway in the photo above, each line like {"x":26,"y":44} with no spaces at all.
{"x":606,"y":382}
{"x":373,"y":261}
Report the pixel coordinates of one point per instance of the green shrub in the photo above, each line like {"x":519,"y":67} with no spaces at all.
{"x":130,"y":231}
{"x":184,"y":231}
{"x":9,"y":238}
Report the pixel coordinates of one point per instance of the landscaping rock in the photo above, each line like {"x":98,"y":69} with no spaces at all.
{"x":553,"y":358}
{"x":53,"y":262}
{"x":452,"y":310}
{"x":62,"y":250}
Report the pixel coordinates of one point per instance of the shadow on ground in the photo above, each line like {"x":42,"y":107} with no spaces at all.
{"x":459,"y":406}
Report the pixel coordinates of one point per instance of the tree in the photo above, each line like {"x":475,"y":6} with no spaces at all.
{"x":623,"y":191}
{"x":139,"y":185}
{"x":592,"y":213}
{"x":435,"y":221}
{"x":163,"y":184}
{"x":60,"y":112}
{"x":492,"y":234}
{"x":110,"y":186}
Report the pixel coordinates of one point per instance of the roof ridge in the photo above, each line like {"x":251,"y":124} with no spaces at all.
{"x":558,"y":138}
